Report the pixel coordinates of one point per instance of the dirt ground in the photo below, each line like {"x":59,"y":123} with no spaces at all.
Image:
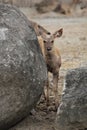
{"x":73,"y":50}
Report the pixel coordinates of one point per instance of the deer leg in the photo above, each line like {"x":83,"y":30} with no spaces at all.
{"x":47,"y":98}
{"x":46,"y":93}
{"x":55,"y":82}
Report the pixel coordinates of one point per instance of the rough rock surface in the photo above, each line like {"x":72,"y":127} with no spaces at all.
{"x":72,"y":112}
{"x":22,"y":68}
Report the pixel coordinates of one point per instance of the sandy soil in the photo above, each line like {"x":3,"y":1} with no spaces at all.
{"x":73,"y":49}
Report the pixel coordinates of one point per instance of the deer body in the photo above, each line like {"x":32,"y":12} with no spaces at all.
{"x":53,"y":62}
{"x":51,"y":55}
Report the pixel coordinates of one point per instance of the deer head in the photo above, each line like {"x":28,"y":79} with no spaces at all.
{"x":49,"y":41}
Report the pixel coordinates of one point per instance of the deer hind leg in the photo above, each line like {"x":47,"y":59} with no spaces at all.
{"x":55,"y":83}
{"x":46,"y":93}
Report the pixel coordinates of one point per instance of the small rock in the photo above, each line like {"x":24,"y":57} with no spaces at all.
{"x":72,"y":112}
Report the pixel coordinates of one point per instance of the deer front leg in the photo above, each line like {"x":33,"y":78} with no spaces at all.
{"x":55,"y":83}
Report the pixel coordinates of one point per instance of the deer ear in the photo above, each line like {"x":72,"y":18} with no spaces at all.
{"x":43,"y":30}
{"x":58,"y":33}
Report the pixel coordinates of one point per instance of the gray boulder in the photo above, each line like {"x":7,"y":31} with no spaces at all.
{"x":72,"y":112}
{"x":22,"y":67}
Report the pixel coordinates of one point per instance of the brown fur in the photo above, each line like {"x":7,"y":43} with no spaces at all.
{"x":40,"y":40}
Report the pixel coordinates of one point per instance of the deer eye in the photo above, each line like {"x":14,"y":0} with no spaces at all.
{"x":44,"y":41}
{"x":52,"y":41}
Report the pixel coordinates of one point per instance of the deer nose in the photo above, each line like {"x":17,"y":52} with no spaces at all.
{"x":48,"y":49}
{"x":48,"y":33}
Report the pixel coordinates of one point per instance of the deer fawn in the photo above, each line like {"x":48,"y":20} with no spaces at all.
{"x":51,"y":55}
{"x":53,"y":61}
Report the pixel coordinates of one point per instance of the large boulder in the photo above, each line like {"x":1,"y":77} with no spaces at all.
{"x":72,"y":112}
{"x":22,"y":67}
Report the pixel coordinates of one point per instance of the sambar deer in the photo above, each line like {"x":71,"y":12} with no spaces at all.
{"x":53,"y":61}
{"x":51,"y":55}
